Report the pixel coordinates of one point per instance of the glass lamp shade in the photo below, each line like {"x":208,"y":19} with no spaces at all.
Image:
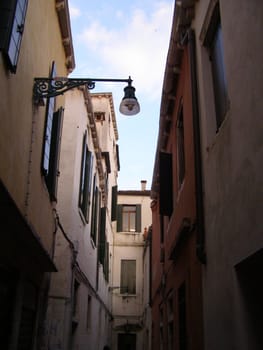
{"x":129,"y":104}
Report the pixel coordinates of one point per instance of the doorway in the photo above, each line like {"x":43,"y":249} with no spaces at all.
{"x":126,"y":341}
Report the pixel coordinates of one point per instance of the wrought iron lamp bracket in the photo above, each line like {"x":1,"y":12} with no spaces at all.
{"x":52,"y":87}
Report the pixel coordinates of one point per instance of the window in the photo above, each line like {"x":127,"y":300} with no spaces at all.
{"x":126,"y":341}
{"x":128,"y":277}
{"x":99,"y":116}
{"x":85,"y":179}
{"x":114,"y":192}
{"x":213,"y":42}
{"x":129,"y":218}
{"x":51,"y":144}
{"x":95,"y":212}
{"x":103,"y":244}
{"x":180,"y":147}
{"x":166,"y":183}
{"x":12,"y":21}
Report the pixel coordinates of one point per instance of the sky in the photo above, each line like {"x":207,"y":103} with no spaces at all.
{"x":117,"y":39}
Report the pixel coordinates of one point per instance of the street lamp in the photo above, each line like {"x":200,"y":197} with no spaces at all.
{"x":51,"y":87}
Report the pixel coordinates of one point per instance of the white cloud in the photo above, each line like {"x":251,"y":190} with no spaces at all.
{"x":137,"y":47}
{"x":74,"y":11}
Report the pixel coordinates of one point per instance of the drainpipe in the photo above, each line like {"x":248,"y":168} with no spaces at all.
{"x":200,"y":239}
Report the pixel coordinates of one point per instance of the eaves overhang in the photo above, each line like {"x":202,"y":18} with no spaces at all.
{"x":108,"y":95}
{"x":182,"y":18}
{"x":97,"y":148}
{"x":62,"y":9}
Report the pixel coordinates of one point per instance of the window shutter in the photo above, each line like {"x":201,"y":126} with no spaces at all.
{"x":53,"y":172}
{"x":166,"y":183}
{"x":102,"y":235}
{"x":88,"y":178}
{"x":95,"y":212}
{"x":119,"y":218}
{"x":82,"y":173}
{"x":114,"y":191}
{"x":85,"y":179}
{"x":106,"y":262}
{"x":128,"y":276}
{"x":12,"y":19}
{"x":138,"y":218}
{"x":50,"y":107}
{"x":7,"y":9}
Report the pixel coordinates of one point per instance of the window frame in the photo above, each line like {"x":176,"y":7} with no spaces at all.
{"x":128,"y":276}
{"x":85,"y":179}
{"x":138,"y":223}
{"x":51,"y":143}
{"x":12,"y":17}
{"x":180,"y":146}
{"x":211,"y":38}
{"x":96,"y":200}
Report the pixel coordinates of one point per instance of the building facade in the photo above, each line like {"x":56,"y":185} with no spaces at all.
{"x":230,"y":81}
{"x":130,"y":279}
{"x":217,"y":249}
{"x":28,"y":167}
{"x":177,"y":224}
{"x":79,"y":299}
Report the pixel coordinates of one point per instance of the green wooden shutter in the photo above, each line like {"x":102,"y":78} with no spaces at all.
{"x":53,"y":173}
{"x":114,"y":191}
{"x":138,"y":218}
{"x":93,"y":228}
{"x":106,"y":262}
{"x":119,"y":218}
{"x":102,"y":236}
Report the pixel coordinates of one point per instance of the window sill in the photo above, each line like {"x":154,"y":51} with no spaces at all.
{"x":127,"y":296}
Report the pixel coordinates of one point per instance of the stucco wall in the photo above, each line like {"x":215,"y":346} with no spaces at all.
{"x":232,"y":160}
{"x":22,"y":123}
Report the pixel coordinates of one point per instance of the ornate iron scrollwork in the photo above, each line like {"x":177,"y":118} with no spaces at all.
{"x":48,"y":87}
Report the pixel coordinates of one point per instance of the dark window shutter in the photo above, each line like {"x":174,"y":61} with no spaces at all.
{"x":12,"y":19}
{"x":95,"y":212}
{"x":119,"y":218}
{"x":82,"y":173}
{"x":106,"y":262}
{"x":102,"y":235}
{"x":53,"y":173}
{"x":50,"y":108}
{"x":7,"y":10}
{"x":166,"y":183}
{"x":138,"y":218}
{"x":85,"y":179}
{"x":114,"y":191}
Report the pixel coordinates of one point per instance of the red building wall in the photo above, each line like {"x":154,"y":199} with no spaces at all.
{"x":176,"y":271}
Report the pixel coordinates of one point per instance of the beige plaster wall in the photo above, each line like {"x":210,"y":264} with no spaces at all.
{"x":232,"y":167}
{"x":22,"y":123}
